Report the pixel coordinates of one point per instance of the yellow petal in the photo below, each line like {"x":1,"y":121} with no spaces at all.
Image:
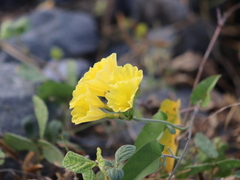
{"x":86,"y":112}
{"x":98,"y":76}
{"x":125,"y":73}
{"x":171,"y":108}
{"x":121,"y":96}
{"x":82,"y":91}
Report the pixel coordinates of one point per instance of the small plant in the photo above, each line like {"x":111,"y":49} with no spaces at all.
{"x":109,"y":91}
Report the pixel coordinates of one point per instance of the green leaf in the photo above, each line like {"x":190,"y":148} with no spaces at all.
{"x":205,"y":145}
{"x":77,"y":163}
{"x":237,"y":174}
{"x":202,"y":92}
{"x":144,"y":161}
{"x":100,"y":175}
{"x":41,"y":113}
{"x":71,"y":73}
{"x":151,"y":131}
{"x":21,"y":25}
{"x":50,"y":152}
{"x":108,"y":163}
{"x":19,"y":143}
{"x":89,"y":175}
{"x":124,"y":153}
{"x":54,"y":129}
{"x":115,"y":173}
{"x":198,"y":168}
{"x":228,"y":164}
{"x":171,"y":129}
{"x":30,"y":73}
{"x":56,"y":53}
{"x":55,"y":91}
{"x":7,"y":29}
{"x":2,"y":157}
{"x":100,"y":160}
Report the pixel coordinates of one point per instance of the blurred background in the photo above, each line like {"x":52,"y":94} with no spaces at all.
{"x":47,"y":46}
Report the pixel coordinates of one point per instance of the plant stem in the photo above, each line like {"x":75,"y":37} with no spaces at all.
{"x":187,"y":141}
{"x":159,"y":121}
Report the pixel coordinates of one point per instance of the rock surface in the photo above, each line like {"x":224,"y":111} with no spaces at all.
{"x":15,"y":99}
{"x":74,"y":32}
{"x":164,"y":12}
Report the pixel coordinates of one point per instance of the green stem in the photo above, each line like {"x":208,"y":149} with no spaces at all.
{"x":159,"y":121}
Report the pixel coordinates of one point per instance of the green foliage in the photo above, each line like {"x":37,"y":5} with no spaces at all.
{"x":89,"y":175}
{"x":11,"y":28}
{"x":41,"y":113}
{"x":225,"y":167}
{"x":115,"y":173}
{"x":19,"y":143}
{"x":151,"y":131}
{"x":50,"y":152}
{"x":51,"y":90}
{"x":54,"y":129}
{"x":205,"y":145}
{"x":201,"y":93}
{"x":100,"y":161}
{"x":56,"y":53}
{"x":237,"y":174}
{"x":71,"y":73}
{"x":141,"y":30}
{"x":228,"y":164}
{"x":30,"y":73}
{"x":124,"y":153}
{"x":2,"y":156}
{"x":77,"y":163}
{"x":144,"y":161}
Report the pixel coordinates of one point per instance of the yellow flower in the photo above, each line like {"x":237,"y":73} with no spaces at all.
{"x":84,"y":111}
{"x":124,"y":83}
{"x":98,"y":76}
{"x":82,"y":91}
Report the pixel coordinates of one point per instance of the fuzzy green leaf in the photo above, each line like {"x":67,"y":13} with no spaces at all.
{"x":144,"y":161}
{"x":89,"y":175}
{"x":124,"y":153}
{"x":77,"y":163}
{"x":115,"y":173}
{"x":41,"y":113}
{"x":100,"y":160}
{"x":202,"y":92}
{"x":205,"y":145}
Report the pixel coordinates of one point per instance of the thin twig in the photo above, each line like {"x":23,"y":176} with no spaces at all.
{"x":16,"y":53}
{"x":187,"y":141}
{"x":187,"y":110}
{"x":222,"y":109}
{"x":221,"y":22}
{"x":17,"y":171}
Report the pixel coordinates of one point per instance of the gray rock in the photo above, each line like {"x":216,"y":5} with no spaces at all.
{"x":74,"y":32}
{"x":164,"y":12}
{"x":15,"y":99}
{"x":57,"y":70}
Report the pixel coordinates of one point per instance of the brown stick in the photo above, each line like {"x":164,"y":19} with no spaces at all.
{"x":221,"y":22}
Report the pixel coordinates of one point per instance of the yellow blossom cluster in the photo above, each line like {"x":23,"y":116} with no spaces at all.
{"x":116,"y":84}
